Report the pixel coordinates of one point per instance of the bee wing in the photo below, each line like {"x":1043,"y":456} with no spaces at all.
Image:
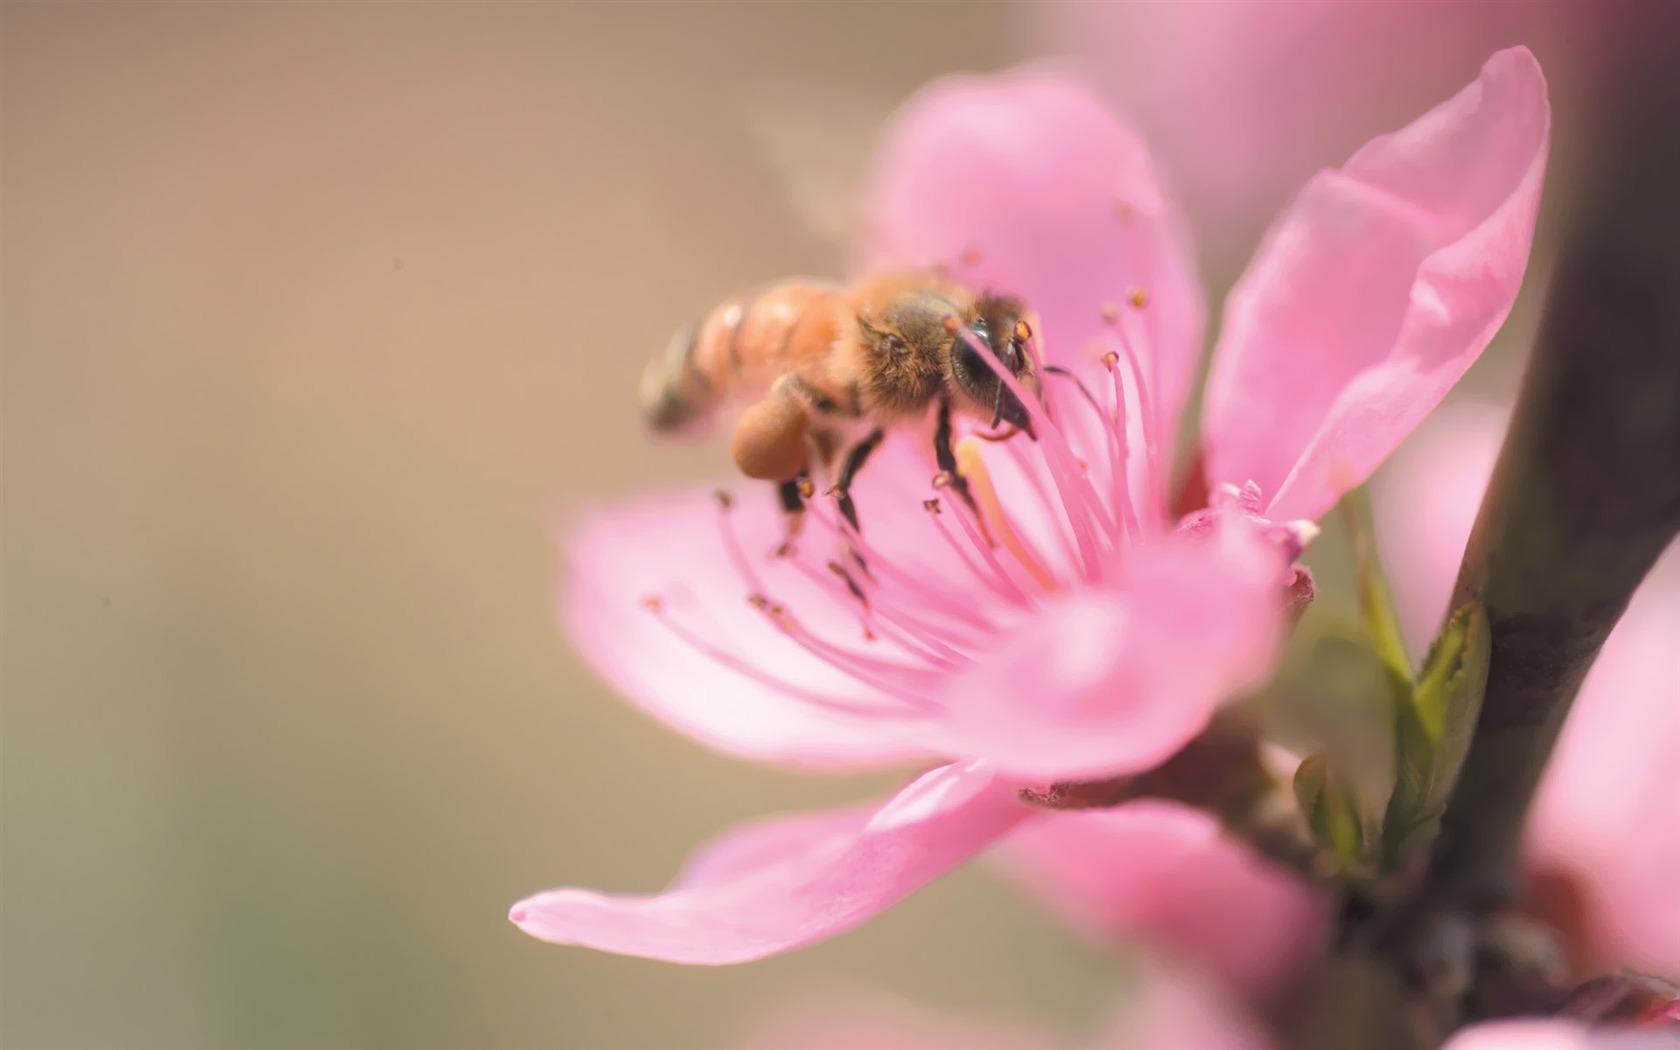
{"x":818,"y":137}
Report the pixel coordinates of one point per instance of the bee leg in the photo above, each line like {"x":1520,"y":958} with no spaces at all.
{"x":792,"y":494}
{"x":946,"y":457}
{"x":855,"y":459}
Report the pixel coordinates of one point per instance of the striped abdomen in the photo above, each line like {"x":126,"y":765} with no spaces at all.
{"x":738,"y":351}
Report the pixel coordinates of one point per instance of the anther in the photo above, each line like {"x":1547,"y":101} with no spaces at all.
{"x":942,"y":480}
{"x":970,"y":257}
{"x":952,"y":323}
{"x":758,"y":601}
{"x":653,"y":603}
{"x":931,"y":506}
{"x":1125,"y":211}
{"x":1023,"y":330}
{"x":806,"y":489}
{"x":786,"y":550}
{"x":1110,"y":359}
{"x":1110,"y":313}
{"x":1138,"y":297}
{"x":724,"y":499}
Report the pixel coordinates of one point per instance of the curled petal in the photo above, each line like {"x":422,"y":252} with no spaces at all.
{"x":787,"y":882}
{"x":1028,"y":183}
{"x":1376,"y":289}
{"x":791,"y":707}
{"x":1164,"y":874}
{"x":1112,"y":681}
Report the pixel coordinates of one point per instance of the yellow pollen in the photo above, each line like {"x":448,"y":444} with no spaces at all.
{"x":931,"y":506}
{"x":1110,"y":313}
{"x":1138,"y":297}
{"x":1125,"y":211}
{"x":1110,"y":359}
{"x":806,"y":489}
{"x":653,"y":603}
{"x":1023,"y":330}
{"x":941,"y":480}
{"x":971,"y":257}
{"x":972,"y":467}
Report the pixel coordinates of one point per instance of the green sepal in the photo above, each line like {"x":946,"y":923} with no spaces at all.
{"x":1331,"y":813}
{"x":1433,"y":731}
{"x":1376,"y":603}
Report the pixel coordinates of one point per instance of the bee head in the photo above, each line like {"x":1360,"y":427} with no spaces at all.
{"x":1000,"y":326}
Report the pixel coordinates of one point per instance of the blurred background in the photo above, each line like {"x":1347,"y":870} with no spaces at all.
{"x":319,"y":319}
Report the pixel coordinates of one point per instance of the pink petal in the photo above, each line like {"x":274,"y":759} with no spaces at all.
{"x":1115,"y":680}
{"x":857,"y":1020}
{"x":1425,"y":502}
{"x":1549,"y":1034}
{"x":787,"y":882}
{"x":1027,"y":183}
{"x":1173,"y":1008}
{"x":1375,"y":291}
{"x":1243,"y":101}
{"x":1166,"y":875}
{"x":1605,"y":812}
{"x":671,"y":548}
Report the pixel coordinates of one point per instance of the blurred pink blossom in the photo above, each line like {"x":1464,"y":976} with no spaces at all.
{"x":1165,"y":875}
{"x":1550,"y":1034}
{"x":1094,"y":639}
{"x":1164,"y":1007}
{"x":1605,"y":814}
{"x":1243,"y":99}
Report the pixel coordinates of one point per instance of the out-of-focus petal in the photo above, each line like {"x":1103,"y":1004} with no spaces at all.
{"x":1177,"y":1009}
{"x":671,"y":548}
{"x":1426,"y":500}
{"x":1376,"y":289}
{"x":787,"y":882}
{"x":1243,"y":101}
{"x":858,"y":1020}
{"x":1028,"y":183}
{"x":1163,"y":874}
{"x":1115,"y":680}
{"x":1551,"y":1034}
{"x":1606,"y":810}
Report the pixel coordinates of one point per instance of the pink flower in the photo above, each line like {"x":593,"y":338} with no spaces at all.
{"x":1093,"y":639}
{"x":1604,"y":817}
{"x":1163,"y":874}
{"x":1164,"y":1007}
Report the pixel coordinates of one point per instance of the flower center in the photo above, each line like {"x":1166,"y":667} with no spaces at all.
{"x":897,"y":614}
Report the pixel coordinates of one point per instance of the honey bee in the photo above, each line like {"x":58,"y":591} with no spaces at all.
{"x":820,"y":372}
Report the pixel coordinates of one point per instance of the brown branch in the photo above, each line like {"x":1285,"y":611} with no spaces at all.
{"x":1586,"y":494}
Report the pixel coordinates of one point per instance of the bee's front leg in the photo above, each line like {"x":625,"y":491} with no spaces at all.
{"x":856,"y":457}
